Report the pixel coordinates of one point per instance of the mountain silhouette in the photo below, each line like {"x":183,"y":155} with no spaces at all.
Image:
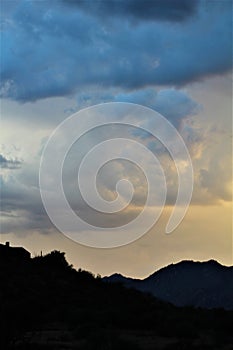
{"x":187,"y":283}
{"x":47,"y":305}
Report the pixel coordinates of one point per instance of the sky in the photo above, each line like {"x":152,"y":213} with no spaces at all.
{"x":175,"y":57}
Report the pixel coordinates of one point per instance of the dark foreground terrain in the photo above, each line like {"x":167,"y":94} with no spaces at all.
{"x":46,"y":304}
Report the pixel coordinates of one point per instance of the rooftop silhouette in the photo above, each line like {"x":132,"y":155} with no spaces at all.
{"x":15,"y":253}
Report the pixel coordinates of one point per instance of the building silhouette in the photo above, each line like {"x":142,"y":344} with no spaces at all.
{"x":13,"y":253}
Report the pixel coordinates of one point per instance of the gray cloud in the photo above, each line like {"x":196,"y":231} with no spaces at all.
{"x":216,"y":180}
{"x":21,"y":206}
{"x":9,"y":163}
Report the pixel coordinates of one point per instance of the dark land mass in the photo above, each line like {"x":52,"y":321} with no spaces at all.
{"x":46,"y":304}
{"x":201,"y":284}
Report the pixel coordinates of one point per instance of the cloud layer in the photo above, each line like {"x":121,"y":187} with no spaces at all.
{"x":54,"y":49}
{"x":144,"y":52}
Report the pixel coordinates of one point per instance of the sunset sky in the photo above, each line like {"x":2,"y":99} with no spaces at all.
{"x":175,"y":57}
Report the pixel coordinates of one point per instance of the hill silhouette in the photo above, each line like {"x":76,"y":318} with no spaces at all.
{"x":46,"y":304}
{"x":187,"y":283}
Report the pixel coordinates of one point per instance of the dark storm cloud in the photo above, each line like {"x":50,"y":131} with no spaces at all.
{"x":9,"y":163}
{"x":49,"y":49}
{"x":172,"y":10}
